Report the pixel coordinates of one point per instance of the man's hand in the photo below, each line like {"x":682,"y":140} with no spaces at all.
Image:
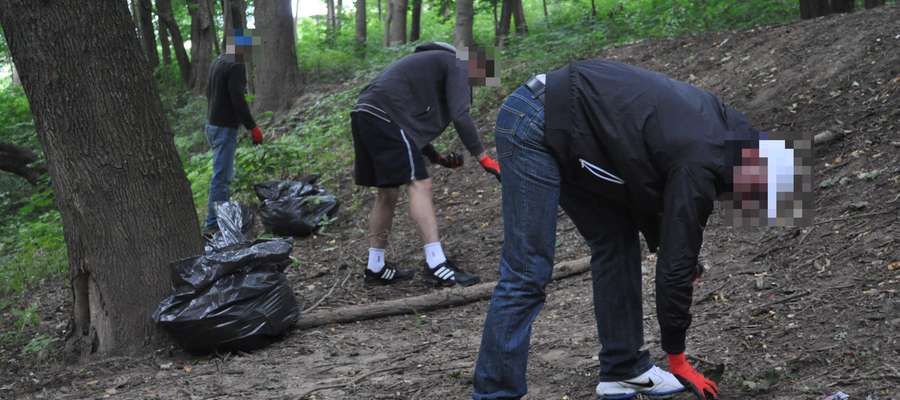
{"x":453,"y":160}
{"x":703,"y":389}
{"x":257,"y":135}
{"x":490,"y":165}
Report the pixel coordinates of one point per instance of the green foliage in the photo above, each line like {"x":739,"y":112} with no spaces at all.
{"x":26,"y":317}
{"x":37,"y":344}
{"x":32,"y":247}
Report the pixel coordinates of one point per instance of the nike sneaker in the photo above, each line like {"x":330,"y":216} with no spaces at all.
{"x":655,"y":383}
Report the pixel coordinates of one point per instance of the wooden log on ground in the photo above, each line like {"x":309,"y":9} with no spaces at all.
{"x":440,"y":299}
{"x":826,"y":137}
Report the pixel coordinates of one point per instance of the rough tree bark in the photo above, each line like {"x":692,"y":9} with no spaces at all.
{"x":17,"y":160}
{"x":148,"y":39}
{"x":163,"y":38}
{"x":398,"y":22}
{"x":277,"y":75}
{"x":814,"y":8}
{"x":415,"y":30}
{"x":843,"y":6}
{"x":361,"y":23}
{"x":464,"y":15}
{"x":202,"y":39}
{"x":873,"y":3}
{"x":329,"y":21}
{"x":125,"y":201}
{"x":519,"y":16}
{"x":505,"y":20}
{"x":164,"y":10}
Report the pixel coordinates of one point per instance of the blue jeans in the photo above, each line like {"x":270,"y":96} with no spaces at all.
{"x":223,"y":142}
{"x":532,"y":191}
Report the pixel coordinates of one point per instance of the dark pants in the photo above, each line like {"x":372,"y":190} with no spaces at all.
{"x":532,"y":191}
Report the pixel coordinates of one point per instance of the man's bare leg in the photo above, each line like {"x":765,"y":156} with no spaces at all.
{"x":382,"y":217}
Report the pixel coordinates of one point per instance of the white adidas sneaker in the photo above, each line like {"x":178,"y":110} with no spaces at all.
{"x":655,"y":383}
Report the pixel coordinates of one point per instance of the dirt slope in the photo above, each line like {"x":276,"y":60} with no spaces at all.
{"x":783,"y":313}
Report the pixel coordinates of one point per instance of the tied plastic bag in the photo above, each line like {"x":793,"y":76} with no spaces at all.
{"x":235,"y":222}
{"x":232,"y":299}
{"x":295,"y":208}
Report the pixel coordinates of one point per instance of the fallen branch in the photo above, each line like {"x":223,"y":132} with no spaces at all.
{"x":441,"y":299}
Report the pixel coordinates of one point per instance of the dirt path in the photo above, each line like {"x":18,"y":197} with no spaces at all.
{"x":784,"y":313}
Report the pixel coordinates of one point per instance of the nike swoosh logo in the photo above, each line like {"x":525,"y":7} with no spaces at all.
{"x":648,"y":384}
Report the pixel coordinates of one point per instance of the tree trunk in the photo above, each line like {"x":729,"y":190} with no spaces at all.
{"x":163,"y":38}
{"x":202,"y":39}
{"x":277,"y":75}
{"x":125,"y":202}
{"x":339,"y":12}
{"x":211,"y":4}
{"x":874,"y":3}
{"x":329,"y":21}
{"x":814,"y":8}
{"x":147,"y":36}
{"x":464,"y":15}
{"x":233,"y":17}
{"x":546,"y":13}
{"x":496,"y":20}
{"x":17,"y":160}
{"x":397,"y":29}
{"x":379,"y":10}
{"x":593,"y":9}
{"x":361,"y":23}
{"x":519,"y":16}
{"x":505,"y":20}
{"x":164,"y":10}
{"x":415,"y":31}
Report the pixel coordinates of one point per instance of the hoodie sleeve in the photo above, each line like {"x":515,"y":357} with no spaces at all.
{"x":459,"y":97}
{"x":688,"y":202}
{"x":237,"y":85}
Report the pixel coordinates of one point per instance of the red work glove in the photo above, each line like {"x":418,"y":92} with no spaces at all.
{"x":703,"y":389}
{"x":257,"y":135}
{"x":490,"y":165}
{"x":453,"y":160}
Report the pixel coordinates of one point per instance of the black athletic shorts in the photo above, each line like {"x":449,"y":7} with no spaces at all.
{"x":385,"y":155}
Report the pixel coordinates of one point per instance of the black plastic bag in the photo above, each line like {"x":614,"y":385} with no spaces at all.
{"x":233,"y":299}
{"x":235,"y":224}
{"x":295,"y":208}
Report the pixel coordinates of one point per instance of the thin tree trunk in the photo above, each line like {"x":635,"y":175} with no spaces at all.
{"x":361,"y":23}
{"x":329,"y":21}
{"x":814,"y":8}
{"x":873,"y":3}
{"x":593,"y":9}
{"x":17,"y":160}
{"x":505,"y":21}
{"x":519,"y":16}
{"x":496,"y":21}
{"x":379,"y":10}
{"x":164,"y":10}
{"x":415,"y":31}
{"x":338,"y":13}
{"x":211,"y":4}
{"x":277,"y":76}
{"x":149,"y":39}
{"x":387,"y":22}
{"x":398,"y":22}
{"x":163,"y":38}
{"x":546,"y":13}
{"x":464,"y":15}
{"x":202,"y":39}
{"x":119,"y":184}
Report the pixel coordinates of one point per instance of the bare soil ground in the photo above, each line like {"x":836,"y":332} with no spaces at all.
{"x":783,"y":313}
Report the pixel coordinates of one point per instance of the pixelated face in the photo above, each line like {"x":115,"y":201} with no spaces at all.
{"x":240,"y":44}
{"x":480,"y":64}
{"x":771,"y":184}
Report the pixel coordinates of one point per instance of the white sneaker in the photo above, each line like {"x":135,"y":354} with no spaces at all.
{"x":656,"y":383}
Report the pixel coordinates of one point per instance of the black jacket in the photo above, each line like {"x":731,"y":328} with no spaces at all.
{"x":422,"y":93}
{"x":655,"y":146}
{"x":225,"y":94}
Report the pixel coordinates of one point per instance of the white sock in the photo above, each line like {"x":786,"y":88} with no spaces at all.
{"x":434,"y":254}
{"x":376,"y":260}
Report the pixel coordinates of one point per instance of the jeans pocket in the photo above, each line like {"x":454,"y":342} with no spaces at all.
{"x":211,"y":136}
{"x":508,"y":119}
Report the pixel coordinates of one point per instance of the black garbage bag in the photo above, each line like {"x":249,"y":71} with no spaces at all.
{"x":235,"y":224}
{"x":295,"y":208}
{"x":234,"y":299}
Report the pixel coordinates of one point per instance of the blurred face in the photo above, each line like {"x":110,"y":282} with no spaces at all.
{"x":750,"y":179}
{"x":480,"y":65}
